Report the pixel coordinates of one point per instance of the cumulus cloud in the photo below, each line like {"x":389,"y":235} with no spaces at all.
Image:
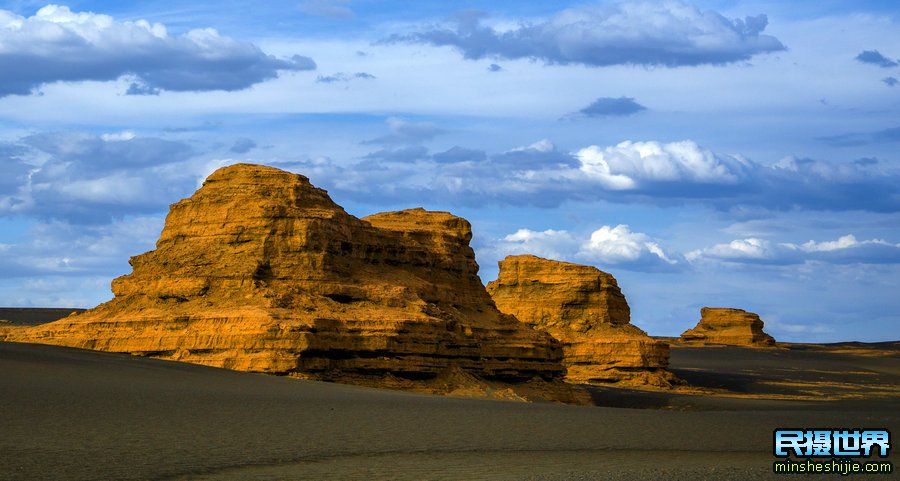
{"x":611,"y":107}
{"x":875,"y":57}
{"x":608,"y":245}
{"x":59,"y":45}
{"x":629,"y":164}
{"x":751,"y":249}
{"x":619,"y":245}
{"x":668,"y":34}
{"x":549,"y":244}
{"x":344,"y":77}
{"x":846,"y":249}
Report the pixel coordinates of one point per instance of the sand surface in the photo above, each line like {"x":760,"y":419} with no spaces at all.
{"x":78,"y":415}
{"x":30,"y":316}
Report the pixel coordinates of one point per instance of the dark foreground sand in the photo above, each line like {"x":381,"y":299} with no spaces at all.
{"x":76,"y":415}
{"x":30,"y":316}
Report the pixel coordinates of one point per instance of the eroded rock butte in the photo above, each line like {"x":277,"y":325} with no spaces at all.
{"x":261,"y":271}
{"x":584,"y":308}
{"x":736,"y":327}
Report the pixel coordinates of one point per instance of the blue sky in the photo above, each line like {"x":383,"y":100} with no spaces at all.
{"x":721,"y":153}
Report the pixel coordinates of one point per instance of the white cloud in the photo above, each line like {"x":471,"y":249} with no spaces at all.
{"x":118,"y":136}
{"x":607,"y":245}
{"x":846,"y":249}
{"x":550,"y":244}
{"x":627,"y":164}
{"x":844,"y":242}
{"x":616,"y":245}
{"x":749,"y":248}
{"x":595,"y":166}
{"x":59,"y":45}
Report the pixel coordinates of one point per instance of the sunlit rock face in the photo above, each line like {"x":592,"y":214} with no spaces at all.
{"x":736,"y":327}
{"x":261,"y":271}
{"x":585,"y":310}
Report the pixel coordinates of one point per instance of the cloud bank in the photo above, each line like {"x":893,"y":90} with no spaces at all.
{"x":844,"y":250}
{"x":85,"y":178}
{"x":623,"y":248}
{"x":669,"y":34}
{"x":59,"y":45}
{"x":649,"y":172}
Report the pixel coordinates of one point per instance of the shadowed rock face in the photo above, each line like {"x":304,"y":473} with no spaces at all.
{"x":582,"y":307}
{"x":736,"y":327}
{"x":261,"y":271}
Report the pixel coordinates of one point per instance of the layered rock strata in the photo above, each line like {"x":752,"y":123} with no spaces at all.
{"x":261,"y":271}
{"x":583,"y":308}
{"x":735,"y":327}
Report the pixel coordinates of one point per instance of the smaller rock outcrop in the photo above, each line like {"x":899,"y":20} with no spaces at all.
{"x":584,"y":308}
{"x":735,"y":327}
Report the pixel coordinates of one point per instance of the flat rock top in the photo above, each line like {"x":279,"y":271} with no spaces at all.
{"x":558,"y":295}
{"x":722,"y":325}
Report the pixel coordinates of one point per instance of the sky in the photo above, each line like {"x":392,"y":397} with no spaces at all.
{"x":715,"y":153}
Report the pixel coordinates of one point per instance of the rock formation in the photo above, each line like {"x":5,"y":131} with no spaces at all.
{"x":261,"y":271}
{"x":582,"y":307}
{"x":736,"y":327}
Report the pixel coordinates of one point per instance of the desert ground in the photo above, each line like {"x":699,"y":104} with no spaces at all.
{"x":83,"y":415}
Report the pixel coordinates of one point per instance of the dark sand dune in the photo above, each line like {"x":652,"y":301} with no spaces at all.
{"x":77,"y":415}
{"x":31,"y":316}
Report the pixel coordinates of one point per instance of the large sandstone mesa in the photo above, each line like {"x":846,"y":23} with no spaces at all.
{"x":261,"y":271}
{"x":736,"y":327}
{"x":584,"y":308}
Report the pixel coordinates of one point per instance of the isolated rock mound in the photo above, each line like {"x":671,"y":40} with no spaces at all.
{"x":261,"y":271}
{"x":584,"y":308}
{"x":736,"y":327}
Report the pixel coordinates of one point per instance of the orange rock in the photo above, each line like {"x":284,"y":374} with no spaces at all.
{"x":584,"y":308}
{"x":736,"y":327}
{"x":261,"y":271}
